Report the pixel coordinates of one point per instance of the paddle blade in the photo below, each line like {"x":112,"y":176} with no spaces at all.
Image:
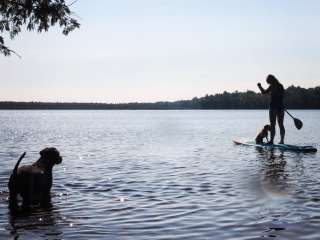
{"x":298,"y":123}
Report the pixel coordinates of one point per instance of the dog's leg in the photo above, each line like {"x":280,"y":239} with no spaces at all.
{"x":26,"y":202}
{"x":27,"y":195}
{"x":13,"y":205}
{"x":46,"y":200}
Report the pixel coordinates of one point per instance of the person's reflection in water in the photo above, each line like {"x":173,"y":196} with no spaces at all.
{"x":275,"y":177}
{"x":37,"y":222}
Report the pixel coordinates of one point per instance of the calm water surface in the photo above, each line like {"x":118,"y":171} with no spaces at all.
{"x":163,"y":175}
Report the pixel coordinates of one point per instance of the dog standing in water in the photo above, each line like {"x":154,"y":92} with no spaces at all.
{"x":33,"y":182}
{"x":263,"y":134}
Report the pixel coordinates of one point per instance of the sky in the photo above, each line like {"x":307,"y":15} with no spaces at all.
{"x":165,"y":50}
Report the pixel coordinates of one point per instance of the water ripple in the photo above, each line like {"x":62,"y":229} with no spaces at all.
{"x":162,"y":175}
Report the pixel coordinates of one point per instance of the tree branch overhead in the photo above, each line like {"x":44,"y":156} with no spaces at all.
{"x":37,"y":15}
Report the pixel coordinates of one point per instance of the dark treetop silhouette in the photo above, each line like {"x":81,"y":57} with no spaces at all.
{"x":37,"y":15}
{"x":295,"y":98}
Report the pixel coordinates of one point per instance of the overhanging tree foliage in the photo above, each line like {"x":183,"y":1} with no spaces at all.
{"x":37,"y":15}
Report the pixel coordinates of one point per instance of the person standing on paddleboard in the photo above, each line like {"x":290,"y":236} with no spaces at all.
{"x":276,"y":109}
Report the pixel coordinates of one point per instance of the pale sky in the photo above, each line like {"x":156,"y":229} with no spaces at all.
{"x":151,"y":50}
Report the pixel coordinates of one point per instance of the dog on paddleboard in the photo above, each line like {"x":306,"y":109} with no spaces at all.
{"x":263,"y":134}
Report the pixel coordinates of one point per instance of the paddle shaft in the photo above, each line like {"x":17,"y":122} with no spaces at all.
{"x":289,"y":114}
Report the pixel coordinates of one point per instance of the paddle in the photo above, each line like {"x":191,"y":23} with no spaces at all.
{"x":298,"y":123}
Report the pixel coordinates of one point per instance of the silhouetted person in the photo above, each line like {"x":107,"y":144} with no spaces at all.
{"x":276,"y":109}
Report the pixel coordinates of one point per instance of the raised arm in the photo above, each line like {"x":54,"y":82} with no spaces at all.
{"x":262,"y":90}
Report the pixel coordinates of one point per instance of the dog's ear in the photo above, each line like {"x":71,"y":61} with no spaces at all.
{"x":43,"y":152}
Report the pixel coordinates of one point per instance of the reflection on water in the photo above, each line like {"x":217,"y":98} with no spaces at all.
{"x":275,"y":176}
{"x":36,"y":223}
{"x":281,"y":172}
{"x":162,"y":175}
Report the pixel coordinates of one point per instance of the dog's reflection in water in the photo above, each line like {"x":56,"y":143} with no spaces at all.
{"x":44,"y":222}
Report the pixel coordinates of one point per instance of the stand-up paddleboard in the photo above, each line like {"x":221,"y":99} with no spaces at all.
{"x":287,"y":147}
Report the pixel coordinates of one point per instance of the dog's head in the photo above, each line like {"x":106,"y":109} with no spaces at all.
{"x":52,"y":155}
{"x":267,"y":128}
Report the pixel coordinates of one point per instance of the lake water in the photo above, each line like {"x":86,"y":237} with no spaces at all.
{"x":163,"y":175}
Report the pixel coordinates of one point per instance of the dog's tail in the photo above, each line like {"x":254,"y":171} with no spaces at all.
{"x":15,"y":170}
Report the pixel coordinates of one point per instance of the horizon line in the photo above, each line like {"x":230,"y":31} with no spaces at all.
{"x":135,"y":102}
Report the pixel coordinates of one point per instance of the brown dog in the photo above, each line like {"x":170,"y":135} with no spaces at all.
{"x":33,"y":182}
{"x":263,"y":134}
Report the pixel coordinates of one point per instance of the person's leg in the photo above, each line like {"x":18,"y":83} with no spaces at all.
{"x":280,"y":117}
{"x":272,"y":117}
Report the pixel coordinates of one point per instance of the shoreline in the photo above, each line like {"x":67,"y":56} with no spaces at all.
{"x":295,"y":98}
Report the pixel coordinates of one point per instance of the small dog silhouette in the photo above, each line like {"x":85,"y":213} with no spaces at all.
{"x":263,"y":134}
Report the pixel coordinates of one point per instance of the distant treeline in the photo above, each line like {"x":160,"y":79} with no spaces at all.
{"x":295,"y":98}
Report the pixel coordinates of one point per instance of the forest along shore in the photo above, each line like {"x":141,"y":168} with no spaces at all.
{"x":295,"y":98}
